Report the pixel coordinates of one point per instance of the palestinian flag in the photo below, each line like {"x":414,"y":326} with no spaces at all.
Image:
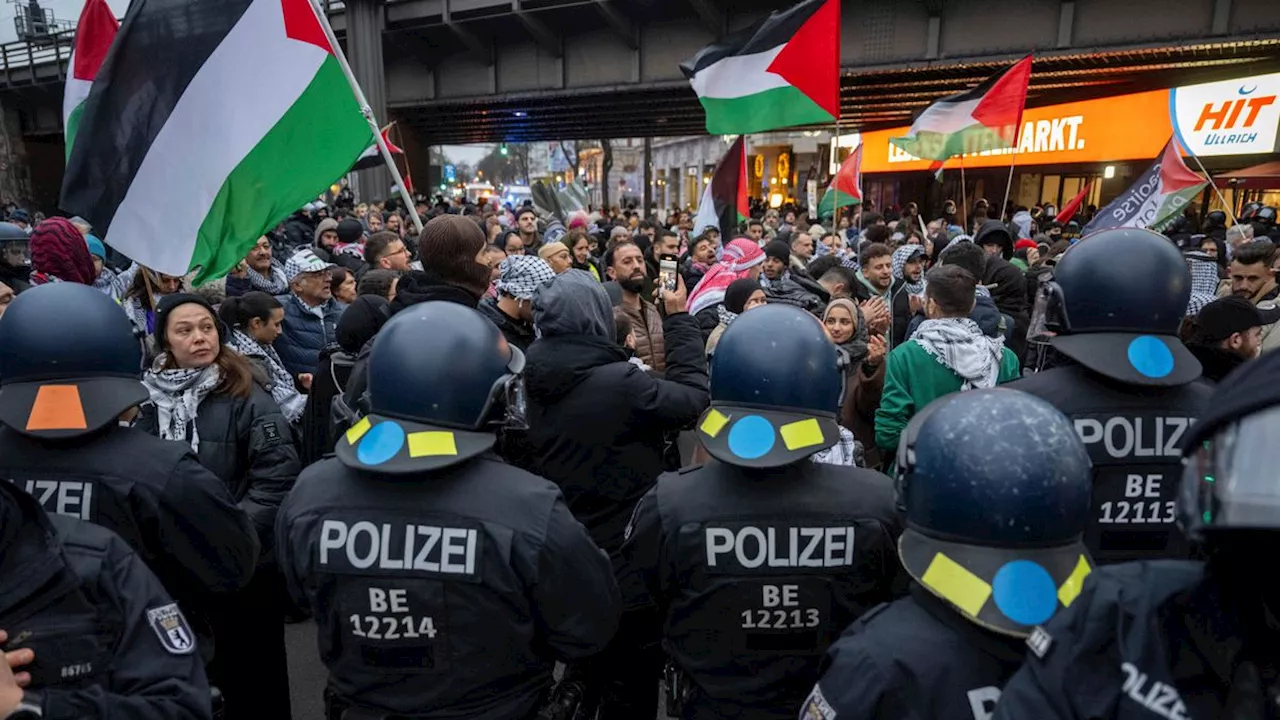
{"x":95,"y":31}
{"x":372,"y":156}
{"x":984,"y":118}
{"x":845,"y":188}
{"x":724,"y":202}
{"x":245,"y":115}
{"x":780,"y":72}
{"x":1158,"y":195}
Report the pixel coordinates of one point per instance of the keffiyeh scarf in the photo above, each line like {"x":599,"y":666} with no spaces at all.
{"x":280,"y":382}
{"x":177,"y":395}
{"x":960,"y":345}
{"x":900,"y":258}
{"x":739,"y":257}
{"x":847,"y":451}
{"x":277,"y":284}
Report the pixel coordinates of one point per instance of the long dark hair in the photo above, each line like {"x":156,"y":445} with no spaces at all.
{"x":236,"y":312}
{"x":237,"y":373}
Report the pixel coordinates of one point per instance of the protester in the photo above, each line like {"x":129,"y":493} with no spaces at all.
{"x":1226,"y":333}
{"x":512,"y":309}
{"x":742,"y":259}
{"x":310,"y":312}
{"x":741,"y":296}
{"x":254,"y":320}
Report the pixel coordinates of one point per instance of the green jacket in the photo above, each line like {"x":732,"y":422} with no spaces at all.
{"x":914,"y":378}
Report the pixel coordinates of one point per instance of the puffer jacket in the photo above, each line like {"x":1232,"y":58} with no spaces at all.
{"x":305,"y":335}
{"x":646,"y":323}
{"x":247,"y":443}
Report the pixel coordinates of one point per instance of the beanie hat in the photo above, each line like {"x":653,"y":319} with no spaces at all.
{"x":58,"y":249}
{"x":778,"y":250}
{"x":738,"y":293}
{"x":168,"y":303}
{"x":546,"y":251}
{"x":1025,"y":244}
{"x":448,"y":247}
{"x":350,"y":231}
{"x":96,"y":248}
{"x":324,"y":226}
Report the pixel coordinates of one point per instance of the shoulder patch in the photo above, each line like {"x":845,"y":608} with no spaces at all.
{"x":816,"y":707}
{"x":271,"y":433}
{"x":1039,"y":642}
{"x":172,"y":629}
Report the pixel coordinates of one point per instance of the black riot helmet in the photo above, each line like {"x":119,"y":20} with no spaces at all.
{"x":1215,"y":219}
{"x":69,"y":362}
{"x":1249,"y":211}
{"x":15,"y":245}
{"x":998,"y":535}
{"x":1266,"y":216}
{"x":442,"y":379}
{"x":1116,"y":323}
{"x":1230,"y":455}
{"x":776,"y":386}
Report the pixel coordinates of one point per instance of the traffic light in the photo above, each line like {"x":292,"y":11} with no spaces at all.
{"x":503,"y":149}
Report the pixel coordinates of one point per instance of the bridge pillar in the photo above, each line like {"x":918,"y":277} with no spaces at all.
{"x":15,"y":176}
{"x":365,"y":23}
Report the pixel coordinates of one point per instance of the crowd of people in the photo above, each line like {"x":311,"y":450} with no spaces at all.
{"x":515,"y":439}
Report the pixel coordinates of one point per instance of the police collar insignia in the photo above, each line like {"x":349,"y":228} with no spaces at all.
{"x":172,"y":629}
{"x":391,"y":446}
{"x":1009,"y":591}
{"x":764,"y":438}
{"x":1039,"y":642}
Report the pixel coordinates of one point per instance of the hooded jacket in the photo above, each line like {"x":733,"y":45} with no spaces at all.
{"x":597,"y":422}
{"x":1007,"y":283}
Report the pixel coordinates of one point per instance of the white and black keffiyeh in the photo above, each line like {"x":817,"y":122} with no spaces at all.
{"x":280,"y":382}
{"x":960,"y":345}
{"x":901,"y":257}
{"x":177,"y":395}
{"x":277,"y":284}
{"x":521,"y":275}
{"x":847,"y":451}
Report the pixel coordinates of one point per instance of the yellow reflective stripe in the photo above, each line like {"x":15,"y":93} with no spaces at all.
{"x":358,"y":430}
{"x":1071,"y":588}
{"x":432,"y":444}
{"x":714,"y":422}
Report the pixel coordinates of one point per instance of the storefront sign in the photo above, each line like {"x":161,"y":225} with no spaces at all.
{"x":1235,"y":117}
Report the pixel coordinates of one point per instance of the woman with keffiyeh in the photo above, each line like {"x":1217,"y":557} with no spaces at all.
{"x":742,"y":258}
{"x":254,"y":320}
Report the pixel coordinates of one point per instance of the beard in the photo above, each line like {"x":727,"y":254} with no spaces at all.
{"x":633,"y":284}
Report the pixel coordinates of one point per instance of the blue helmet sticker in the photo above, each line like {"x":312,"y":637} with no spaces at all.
{"x":1025,"y":592}
{"x":752,"y":437}
{"x":381,"y":443}
{"x":1150,"y":356}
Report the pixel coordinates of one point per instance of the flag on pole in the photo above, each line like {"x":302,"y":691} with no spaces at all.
{"x":1071,"y":208}
{"x":724,"y":201}
{"x":936,"y":168}
{"x":845,"y":188}
{"x":372,"y":155}
{"x":1158,"y":195}
{"x":781,"y":72}
{"x":247,"y":116}
{"x":986,"y":117}
{"x":94,"y":33}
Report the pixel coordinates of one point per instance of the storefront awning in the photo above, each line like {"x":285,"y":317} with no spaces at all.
{"x":1259,"y":177}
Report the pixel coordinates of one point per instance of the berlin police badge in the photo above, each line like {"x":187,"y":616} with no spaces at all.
{"x":172,"y":629}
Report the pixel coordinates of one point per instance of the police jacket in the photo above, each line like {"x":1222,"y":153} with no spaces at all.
{"x":108,"y":640}
{"x":1146,"y":641}
{"x":914,"y":659}
{"x":445,"y":595}
{"x":757,"y":572}
{"x":247,"y":443}
{"x":305,"y":333}
{"x":176,"y":515}
{"x":1133,"y":435}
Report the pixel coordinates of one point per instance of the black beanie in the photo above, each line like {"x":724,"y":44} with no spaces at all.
{"x":738,"y":293}
{"x":350,"y":231}
{"x":779,"y":250}
{"x":167,"y":305}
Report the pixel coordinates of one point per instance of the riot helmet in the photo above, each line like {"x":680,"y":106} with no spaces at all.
{"x":1249,"y":211}
{"x":776,"y":387}
{"x":1112,"y":322}
{"x":442,"y":380}
{"x":1230,"y":456}
{"x":998,"y":534}
{"x":1266,"y":216}
{"x":1215,"y":219}
{"x":15,"y":246}
{"x":69,"y":362}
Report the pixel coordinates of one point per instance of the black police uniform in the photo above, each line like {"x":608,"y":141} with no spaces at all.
{"x":757,"y":565}
{"x":68,"y":368}
{"x":444,"y":582}
{"x":990,"y":556}
{"x":108,"y":640}
{"x":1135,"y":390}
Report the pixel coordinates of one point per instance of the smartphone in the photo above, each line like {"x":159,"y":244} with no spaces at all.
{"x":667,"y":269}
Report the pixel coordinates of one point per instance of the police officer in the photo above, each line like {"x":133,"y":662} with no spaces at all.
{"x":1179,"y":640}
{"x":68,"y":373}
{"x":759,"y":558}
{"x":93,"y":630}
{"x":15,"y":257}
{"x":991,"y":557}
{"x":444,"y":582}
{"x":1127,"y":382}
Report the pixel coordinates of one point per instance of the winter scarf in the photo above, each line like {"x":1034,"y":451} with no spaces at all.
{"x":277,"y":284}
{"x":739,"y":257}
{"x":901,"y":257}
{"x":177,"y":395}
{"x":283,"y":391}
{"x":110,"y":284}
{"x":59,"y":253}
{"x":960,"y":345}
{"x":1204,"y":281}
{"x":847,"y":451}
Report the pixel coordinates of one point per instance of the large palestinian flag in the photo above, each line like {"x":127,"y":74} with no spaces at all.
{"x":782,"y":71}
{"x":372,"y":155}
{"x":724,"y":203}
{"x":1158,"y":196}
{"x":95,"y":31}
{"x":984,"y":118}
{"x":845,"y":188}
{"x":209,"y":123}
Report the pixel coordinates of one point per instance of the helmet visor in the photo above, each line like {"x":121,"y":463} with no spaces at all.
{"x":16,"y":253}
{"x":1231,"y":480}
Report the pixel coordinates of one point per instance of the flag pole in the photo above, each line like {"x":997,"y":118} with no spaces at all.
{"x":1008,"y":186}
{"x":964,"y":199}
{"x":367,"y":112}
{"x":1226,"y":206}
